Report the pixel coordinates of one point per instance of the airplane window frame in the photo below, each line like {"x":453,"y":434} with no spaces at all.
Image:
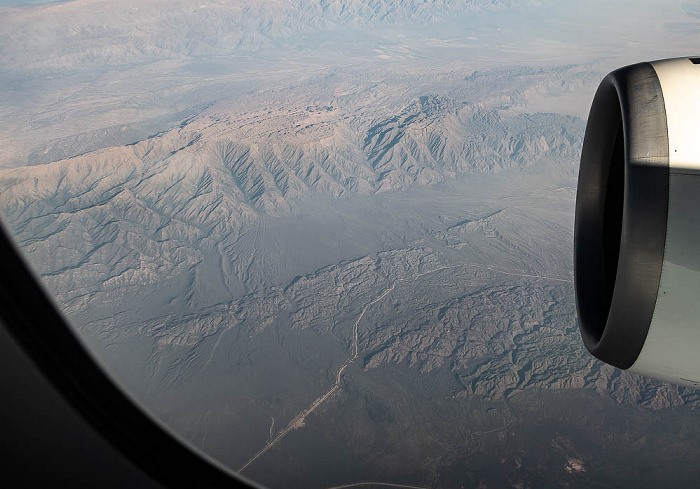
{"x":37,"y":325}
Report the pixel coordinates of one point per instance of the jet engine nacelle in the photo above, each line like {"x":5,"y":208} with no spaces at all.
{"x":637,"y":230}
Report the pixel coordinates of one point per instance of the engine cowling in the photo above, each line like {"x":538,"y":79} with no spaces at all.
{"x":637,"y":228}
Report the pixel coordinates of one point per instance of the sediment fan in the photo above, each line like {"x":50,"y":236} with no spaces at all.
{"x":637,"y":230}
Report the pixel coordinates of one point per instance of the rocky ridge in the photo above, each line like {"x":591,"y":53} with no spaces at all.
{"x":125,"y":217}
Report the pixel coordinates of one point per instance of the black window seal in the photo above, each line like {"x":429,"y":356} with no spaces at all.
{"x":35,"y":322}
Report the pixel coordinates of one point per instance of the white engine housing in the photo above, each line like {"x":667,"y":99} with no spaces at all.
{"x":637,"y":231}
